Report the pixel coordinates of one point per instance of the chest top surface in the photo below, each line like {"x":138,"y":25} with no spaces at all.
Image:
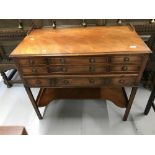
{"x":81,"y":41}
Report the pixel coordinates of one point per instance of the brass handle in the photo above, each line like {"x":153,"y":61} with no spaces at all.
{"x":62,"y":60}
{"x":63,"y":69}
{"x":34,"y":70}
{"x":92,"y":60}
{"x":92,"y":81}
{"x":126,"y":59}
{"x":121,"y":81}
{"x":124,"y":68}
{"x":91,"y":68}
{"x":66,"y":82}
{"x":31,"y":61}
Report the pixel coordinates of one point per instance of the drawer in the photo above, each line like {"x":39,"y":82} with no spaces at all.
{"x":127,"y":59}
{"x":81,"y":82}
{"x":124,"y":81}
{"x":124,"y":68}
{"x":38,"y":82}
{"x":34,"y":70}
{"x":77,"y":60}
{"x":32,"y":61}
{"x":77,"y":69}
{"x":95,"y":82}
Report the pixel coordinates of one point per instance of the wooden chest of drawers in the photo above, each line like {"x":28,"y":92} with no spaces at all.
{"x":88,"y":71}
{"x":77,"y":58}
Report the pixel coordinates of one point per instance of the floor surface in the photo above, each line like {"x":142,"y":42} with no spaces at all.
{"x":78,"y":117}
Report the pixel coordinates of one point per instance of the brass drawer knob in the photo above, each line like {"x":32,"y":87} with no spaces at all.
{"x":66,"y":82}
{"x":63,"y":69}
{"x":91,"y":68}
{"x":91,"y":60}
{"x":124,"y":68}
{"x":126,"y":59}
{"x":31,"y":61}
{"x":91,"y":81}
{"x":62,"y":60}
{"x":121,"y":81}
{"x":34,"y":70}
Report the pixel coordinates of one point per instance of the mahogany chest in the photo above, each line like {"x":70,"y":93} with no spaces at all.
{"x":96,"y":59}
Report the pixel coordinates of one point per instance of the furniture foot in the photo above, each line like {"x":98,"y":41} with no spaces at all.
{"x":29,"y":92}
{"x":130,"y":101}
{"x":150,"y":102}
{"x":6,"y":80}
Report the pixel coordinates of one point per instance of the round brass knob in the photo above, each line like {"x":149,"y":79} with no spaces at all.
{"x":31,"y":61}
{"x":91,"y":68}
{"x":63,"y":69}
{"x":34,"y":70}
{"x":124,"y":68}
{"x":92,"y":60}
{"x":62,"y":60}
{"x":126,"y":59}
{"x":121,"y":81}
{"x":66,"y":82}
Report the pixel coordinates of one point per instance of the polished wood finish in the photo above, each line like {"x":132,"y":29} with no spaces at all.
{"x":81,"y":41}
{"x":97,"y":61}
{"x":13,"y":130}
{"x":12,"y":32}
{"x":46,"y":95}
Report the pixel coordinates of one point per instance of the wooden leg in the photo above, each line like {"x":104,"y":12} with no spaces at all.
{"x":13,"y":72}
{"x":150,"y":102}
{"x":131,"y":98}
{"x":28,"y":90}
{"x":6,"y":80}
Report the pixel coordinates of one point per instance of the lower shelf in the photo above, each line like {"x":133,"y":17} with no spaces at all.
{"x":116,"y":95}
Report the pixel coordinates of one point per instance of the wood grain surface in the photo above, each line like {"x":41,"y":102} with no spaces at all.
{"x":81,"y":41}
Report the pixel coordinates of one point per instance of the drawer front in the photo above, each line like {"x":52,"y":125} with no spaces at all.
{"x":32,"y":61}
{"x":77,"y":69}
{"x":124,"y":81}
{"x":95,"y":82}
{"x":125,"y":68}
{"x":78,"y":82}
{"x":34,"y":70}
{"x":78,"y":60}
{"x":66,"y":69}
{"x":39,"y":82}
{"x":81,"y":82}
{"x":127,"y":59}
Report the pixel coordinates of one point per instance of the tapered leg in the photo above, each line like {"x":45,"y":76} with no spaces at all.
{"x":150,"y":102}
{"x":28,"y":90}
{"x":131,"y":98}
{"x":6,"y":80}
